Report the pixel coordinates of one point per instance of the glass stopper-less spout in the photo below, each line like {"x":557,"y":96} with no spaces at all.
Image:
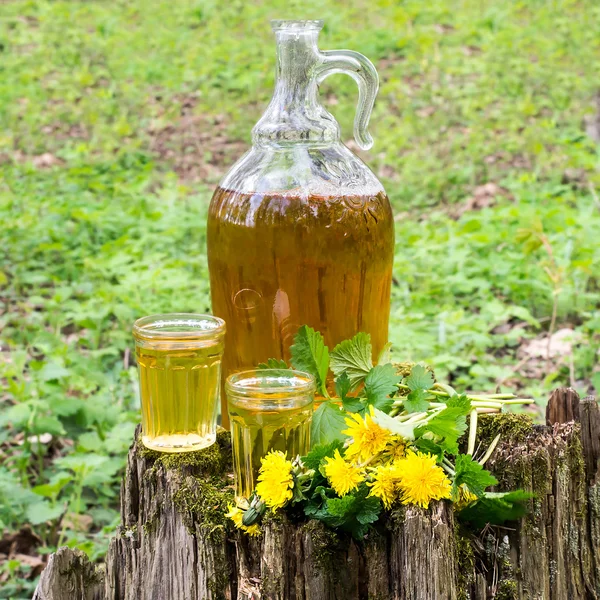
{"x":295,"y":114}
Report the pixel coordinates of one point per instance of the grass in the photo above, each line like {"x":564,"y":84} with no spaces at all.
{"x":117,"y":120}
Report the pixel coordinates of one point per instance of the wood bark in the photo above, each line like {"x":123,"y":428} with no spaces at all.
{"x":69,"y":575}
{"x":173,"y":543}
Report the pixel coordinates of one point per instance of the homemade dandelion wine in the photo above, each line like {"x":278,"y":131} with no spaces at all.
{"x":300,"y":231}
{"x":269,"y":409}
{"x":179,"y":358}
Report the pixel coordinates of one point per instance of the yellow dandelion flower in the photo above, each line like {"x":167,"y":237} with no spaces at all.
{"x":421,"y":480}
{"x":236,"y":515}
{"x":368,"y":438}
{"x":385,"y":483}
{"x":275,"y":480}
{"x":342,"y":475}
{"x":396,"y":448}
{"x":465,"y":497}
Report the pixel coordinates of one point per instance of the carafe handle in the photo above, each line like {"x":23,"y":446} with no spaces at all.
{"x":362,"y":70}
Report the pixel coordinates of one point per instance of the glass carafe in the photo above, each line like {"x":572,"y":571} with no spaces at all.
{"x":300,"y":231}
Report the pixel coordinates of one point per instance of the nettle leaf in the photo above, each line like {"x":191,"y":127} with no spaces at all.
{"x":53,"y":371}
{"x":342,"y":385}
{"x":310,"y":354}
{"x":416,"y":401}
{"x":47,"y":424}
{"x":273,"y":363}
{"x":350,"y":403}
{"x":354,"y":405}
{"x":427,"y":446}
{"x":42,"y":511}
{"x":327,"y":424}
{"x":461,"y":404}
{"x":405,"y":430}
{"x":419,"y":378}
{"x":448,"y":425}
{"x":353,"y":357}
{"x":314,"y":458}
{"x":380,"y":383}
{"x":353,"y":512}
{"x":473,"y":475}
{"x":496,"y":508}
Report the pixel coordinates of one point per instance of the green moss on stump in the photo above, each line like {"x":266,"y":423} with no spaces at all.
{"x":465,"y":558}
{"x":325,"y":544}
{"x":397,"y":518}
{"x":214,"y":460}
{"x":577,"y":465}
{"x":205,"y":487}
{"x":151,"y":524}
{"x":510,"y":426}
{"x":203,"y":502}
{"x":507,"y":590}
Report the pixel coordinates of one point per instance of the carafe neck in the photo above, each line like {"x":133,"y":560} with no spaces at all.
{"x":294,"y":115}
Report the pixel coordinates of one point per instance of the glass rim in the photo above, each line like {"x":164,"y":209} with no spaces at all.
{"x":247,"y":383}
{"x":160,"y":327}
{"x":296,"y":24}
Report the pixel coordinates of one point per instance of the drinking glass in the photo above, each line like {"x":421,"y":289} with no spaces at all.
{"x":179,"y":357}
{"x":269,"y":409}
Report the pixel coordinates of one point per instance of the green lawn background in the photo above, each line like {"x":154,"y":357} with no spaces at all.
{"x":117,"y":121}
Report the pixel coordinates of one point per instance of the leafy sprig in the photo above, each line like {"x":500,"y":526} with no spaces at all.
{"x":408,"y":409}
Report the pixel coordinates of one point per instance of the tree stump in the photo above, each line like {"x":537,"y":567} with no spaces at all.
{"x":175,"y":544}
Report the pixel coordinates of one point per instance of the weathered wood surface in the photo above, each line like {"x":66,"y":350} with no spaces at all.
{"x":69,"y":575}
{"x":174,"y":544}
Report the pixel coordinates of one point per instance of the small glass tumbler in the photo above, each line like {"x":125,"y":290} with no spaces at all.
{"x":269,"y":409}
{"x":179,"y":357}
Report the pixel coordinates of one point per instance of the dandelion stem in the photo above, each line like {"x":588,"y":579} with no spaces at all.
{"x":448,"y":466}
{"x":489,"y":451}
{"x":472,"y":432}
{"x":486,"y":404}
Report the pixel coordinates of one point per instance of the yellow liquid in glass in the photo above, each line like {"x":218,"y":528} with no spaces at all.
{"x":256,"y":432}
{"x":180,"y":391}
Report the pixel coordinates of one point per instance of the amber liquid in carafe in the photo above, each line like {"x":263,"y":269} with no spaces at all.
{"x":280,"y":261}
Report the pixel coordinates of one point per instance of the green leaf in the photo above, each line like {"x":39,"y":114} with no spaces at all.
{"x":273,"y":363}
{"x":448,"y":425}
{"x":380,"y":383}
{"x":327,"y":424}
{"x":17,"y":415}
{"x":47,"y":424}
{"x":354,"y":405}
{"x":342,"y":385}
{"x":385,"y":354}
{"x":53,"y":488}
{"x":416,"y":401}
{"x":350,"y":404}
{"x":429,"y":447}
{"x":405,"y":430}
{"x":90,"y":441}
{"x":496,"y":508}
{"x":313,"y":459}
{"x":353,"y":512}
{"x":473,"y":475}
{"x":460,"y":404}
{"x":42,"y":511}
{"x":419,"y":378}
{"x":310,"y":354}
{"x":353,"y":357}
{"x":52,"y":371}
